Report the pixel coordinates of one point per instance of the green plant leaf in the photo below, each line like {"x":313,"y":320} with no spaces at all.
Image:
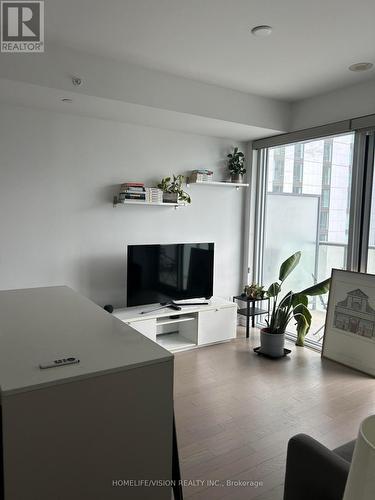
{"x":301,"y":310}
{"x":302,"y":330}
{"x":318,"y":289}
{"x":287,"y":300}
{"x":282,"y":319}
{"x":274,"y":289}
{"x":236,"y":162}
{"x":303,"y":322}
{"x":299,"y":298}
{"x":289,"y":265}
{"x":175,"y":186}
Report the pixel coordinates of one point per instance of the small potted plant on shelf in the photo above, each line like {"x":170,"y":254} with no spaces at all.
{"x":254,"y":291}
{"x":172,"y":190}
{"x":236,"y":165}
{"x":292,"y":306}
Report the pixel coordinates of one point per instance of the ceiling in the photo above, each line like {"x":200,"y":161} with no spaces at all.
{"x":312,"y":44}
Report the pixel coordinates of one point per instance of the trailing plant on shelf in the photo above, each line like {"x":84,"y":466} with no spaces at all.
{"x":293,"y":306}
{"x":236,"y":165}
{"x":174,"y":186}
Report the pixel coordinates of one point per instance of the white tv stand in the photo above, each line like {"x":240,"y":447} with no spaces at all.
{"x":191,"y":327}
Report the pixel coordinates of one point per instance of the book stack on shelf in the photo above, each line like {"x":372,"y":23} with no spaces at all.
{"x":134,"y":191}
{"x":154,"y":195}
{"x":201,"y":175}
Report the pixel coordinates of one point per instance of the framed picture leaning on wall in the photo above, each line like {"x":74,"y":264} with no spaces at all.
{"x":350,"y":323}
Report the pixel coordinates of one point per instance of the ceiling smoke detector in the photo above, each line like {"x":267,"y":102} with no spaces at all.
{"x":362,"y":66}
{"x":77,"y":81}
{"x":262,"y":30}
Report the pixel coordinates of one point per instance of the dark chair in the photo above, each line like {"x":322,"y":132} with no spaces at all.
{"x":313,"y":472}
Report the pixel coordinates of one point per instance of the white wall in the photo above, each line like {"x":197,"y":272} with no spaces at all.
{"x":349,"y":102}
{"x":58,"y":174}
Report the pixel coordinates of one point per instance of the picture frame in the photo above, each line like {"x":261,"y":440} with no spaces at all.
{"x":349,"y":336}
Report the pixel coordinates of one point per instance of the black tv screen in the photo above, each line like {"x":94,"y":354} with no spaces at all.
{"x":160,"y":273}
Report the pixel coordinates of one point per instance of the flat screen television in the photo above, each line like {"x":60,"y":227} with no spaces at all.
{"x":161,"y":273}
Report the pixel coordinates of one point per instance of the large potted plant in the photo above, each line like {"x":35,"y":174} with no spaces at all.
{"x":236,"y":165}
{"x":292,"y":307}
{"x":172,"y":190}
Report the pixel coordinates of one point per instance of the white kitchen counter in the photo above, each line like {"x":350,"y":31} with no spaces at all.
{"x":70,"y":431}
{"x":42,"y":324}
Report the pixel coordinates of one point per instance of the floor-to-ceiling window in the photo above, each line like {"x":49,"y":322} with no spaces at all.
{"x":370,"y":267}
{"x":307,"y":208}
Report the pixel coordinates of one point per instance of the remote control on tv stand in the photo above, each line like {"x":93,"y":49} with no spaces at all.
{"x":173,"y":305}
{"x":190,"y":303}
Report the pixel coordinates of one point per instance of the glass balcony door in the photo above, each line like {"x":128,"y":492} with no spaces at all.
{"x":307,"y":208}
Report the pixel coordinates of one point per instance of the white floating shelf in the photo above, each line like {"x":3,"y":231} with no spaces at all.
{"x":116,"y":203}
{"x":220,"y":183}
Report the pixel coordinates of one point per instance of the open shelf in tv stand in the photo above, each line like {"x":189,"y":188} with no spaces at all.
{"x":192,"y":326}
{"x":174,"y":319}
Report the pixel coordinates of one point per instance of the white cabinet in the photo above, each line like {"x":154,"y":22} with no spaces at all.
{"x":217,"y":325}
{"x":192,"y":326}
{"x":145,"y":326}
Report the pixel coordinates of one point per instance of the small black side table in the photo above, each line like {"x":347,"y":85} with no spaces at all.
{"x":250,"y":311}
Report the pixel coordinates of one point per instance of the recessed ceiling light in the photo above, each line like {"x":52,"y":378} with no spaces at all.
{"x":66,"y":99}
{"x":262,"y":30}
{"x":362,"y":66}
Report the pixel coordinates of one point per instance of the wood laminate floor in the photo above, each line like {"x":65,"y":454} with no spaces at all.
{"x":235,"y":412}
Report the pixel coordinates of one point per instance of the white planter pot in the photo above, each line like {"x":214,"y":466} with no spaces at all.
{"x":272,"y":344}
